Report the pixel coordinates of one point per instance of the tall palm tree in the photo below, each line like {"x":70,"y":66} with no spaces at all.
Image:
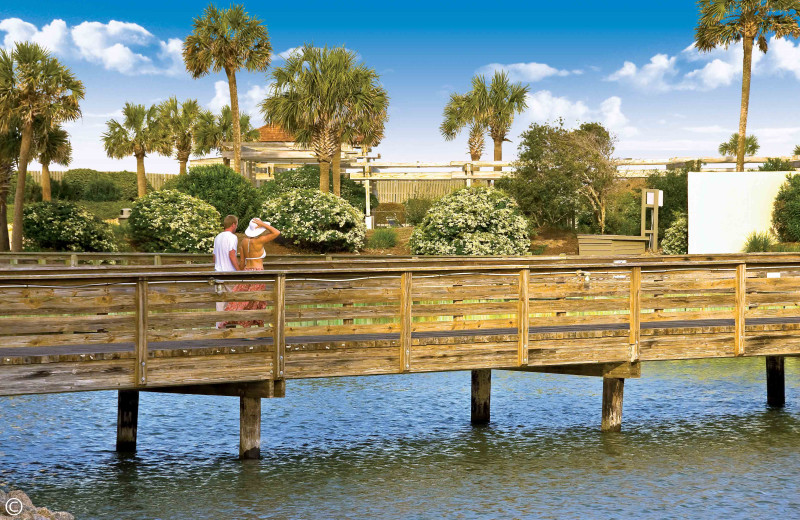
{"x":317,"y":94}
{"x":52,"y":146}
{"x":9,"y":155}
{"x":731,"y":146}
{"x":212,"y":131}
{"x":33,"y":86}
{"x":455,"y":119}
{"x":180,"y":121}
{"x":139,"y":134}
{"x":229,"y":40}
{"x":723,"y":22}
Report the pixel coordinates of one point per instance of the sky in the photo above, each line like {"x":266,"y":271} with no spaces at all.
{"x":629,"y":65}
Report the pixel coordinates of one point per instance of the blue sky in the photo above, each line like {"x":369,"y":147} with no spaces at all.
{"x":629,"y":65}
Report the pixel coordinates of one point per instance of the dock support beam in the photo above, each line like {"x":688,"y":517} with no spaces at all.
{"x":249,"y":428}
{"x":776,"y":393}
{"x":127,"y":420}
{"x":481,"y":395}
{"x":612,"y":404}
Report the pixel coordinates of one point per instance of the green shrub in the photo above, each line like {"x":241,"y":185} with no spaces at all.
{"x":321,"y":222}
{"x":64,"y":226}
{"x":776,"y":164}
{"x":307,"y":177}
{"x":101,"y":189}
{"x":786,"y":210}
{"x":382,"y":238}
{"x":676,"y":238}
{"x":785,"y":248}
{"x":472,"y":221}
{"x":416,"y":209}
{"x":33,"y":190}
{"x":223,"y":188}
{"x":169,"y":221}
{"x":61,"y":190}
{"x":79,"y":181}
{"x":758,"y":242}
{"x":675,"y":185}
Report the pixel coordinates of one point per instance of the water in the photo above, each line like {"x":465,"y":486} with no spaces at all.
{"x":697,"y":441}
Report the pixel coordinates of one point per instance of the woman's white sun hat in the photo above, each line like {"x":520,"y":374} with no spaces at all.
{"x":254,"y":230}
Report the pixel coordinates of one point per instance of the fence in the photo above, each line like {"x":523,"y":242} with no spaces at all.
{"x":156,"y":180}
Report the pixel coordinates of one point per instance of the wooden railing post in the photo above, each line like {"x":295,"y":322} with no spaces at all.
{"x":635,"y":313}
{"x":523,"y":316}
{"x":140,"y":371}
{"x":405,"y":322}
{"x":279,"y":325}
{"x":157,"y":260}
{"x":739,"y":309}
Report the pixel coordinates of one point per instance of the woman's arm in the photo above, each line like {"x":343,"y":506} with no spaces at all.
{"x":273,"y":233}
{"x":242,"y":261}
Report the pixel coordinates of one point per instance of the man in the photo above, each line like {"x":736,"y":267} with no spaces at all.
{"x":225,"y":245}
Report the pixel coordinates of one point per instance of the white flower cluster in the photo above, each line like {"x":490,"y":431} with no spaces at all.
{"x":318,"y":221}
{"x":472,"y":221}
{"x":676,"y":238}
{"x":64,"y":226}
{"x":169,"y":221}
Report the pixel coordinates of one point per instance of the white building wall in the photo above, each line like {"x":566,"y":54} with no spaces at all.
{"x":725,"y":207}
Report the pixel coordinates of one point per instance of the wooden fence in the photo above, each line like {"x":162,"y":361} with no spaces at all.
{"x":157,"y":180}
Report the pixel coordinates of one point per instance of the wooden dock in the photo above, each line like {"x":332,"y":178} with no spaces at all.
{"x":137,"y":328}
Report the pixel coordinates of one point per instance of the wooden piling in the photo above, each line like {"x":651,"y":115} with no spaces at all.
{"x":127,"y":420}
{"x":612,"y":404}
{"x":776,"y":393}
{"x":249,"y":428}
{"x":481,"y":396}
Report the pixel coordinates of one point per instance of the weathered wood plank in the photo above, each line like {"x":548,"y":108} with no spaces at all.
{"x":523,"y":316}
{"x":406,"y":313}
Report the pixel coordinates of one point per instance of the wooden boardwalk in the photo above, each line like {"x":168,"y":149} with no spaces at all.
{"x":154,"y":327}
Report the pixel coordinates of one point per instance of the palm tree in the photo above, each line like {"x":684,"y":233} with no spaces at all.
{"x":229,"y":40}
{"x":139,"y":134}
{"x":9,"y":155}
{"x":796,"y":150}
{"x":723,"y":22}
{"x":33,"y":86}
{"x":212,"y":131}
{"x":52,"y":146}
{"x":731,"y":146}
{"x":180,"y":121}
{"x":455,"y":119}
{"x":320,"y":93}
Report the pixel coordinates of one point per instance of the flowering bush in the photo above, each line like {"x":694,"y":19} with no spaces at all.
{"x":64,"y":226}
{"x":318,"y":221}
{"x":676,"y":239}
{"x":307,"y":177}
{"x":472,"y":221}
{"x":168,"y":221}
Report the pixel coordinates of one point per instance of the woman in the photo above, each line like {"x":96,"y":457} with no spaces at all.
{"x":251,"y":259}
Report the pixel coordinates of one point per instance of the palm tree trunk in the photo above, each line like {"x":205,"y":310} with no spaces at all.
{"x":183,"y":158}
{"x":324,"y":176}
{"x":5,"y":179}
{"x":19,"y":196}
{"x":141,"y":177}
{"x":182,"y":168}
{"x":498,"y":152}
{"x":747,"y":43}
{"x":237,"y":129}
{"x":46,"y":192}
{"x":337,"y":171}
{"x":226,"y":162}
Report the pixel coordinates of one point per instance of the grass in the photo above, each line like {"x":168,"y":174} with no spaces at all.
{"x":758,"y":242}
{"x":382,"y":238}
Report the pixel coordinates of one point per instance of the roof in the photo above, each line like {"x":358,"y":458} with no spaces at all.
{"x":274,"y":134}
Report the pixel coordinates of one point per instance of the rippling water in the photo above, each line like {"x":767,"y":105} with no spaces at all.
{"x":697,"y":441}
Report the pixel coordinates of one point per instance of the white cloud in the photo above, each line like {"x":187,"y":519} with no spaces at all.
{"x":527,"y":72}
{"x":652,"y":76}
{"x":53,"y":36}
{"x":248,"y":100}
{"x":285,"y":54}
{"x":784,"y":56}
{"x":712,"y":129}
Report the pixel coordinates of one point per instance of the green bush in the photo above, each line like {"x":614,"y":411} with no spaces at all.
{"x":79,"y":181}
{"x":64,"y":226}
{"x":416,"y":209}
{"x":758,"y":242}
{"x":168,"y":221}
{"x":786,"y":210}
{"x":675,"y":185}
{"x":472,"y":221}
{"x":382,"y":238}
{"x":61,"y":190}
{"x":33,"y":190}
{"x":223,"y":188}
{"x":317,"y":221}
{"x":676,"y":238}
{"x":776,"y":164}
{"x":101,"y":189}
{"x":307,"y":177}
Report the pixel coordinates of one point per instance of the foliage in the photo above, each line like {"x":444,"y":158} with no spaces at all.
{"x":796,"y":150}
{"x":314,"y":220}
{"x":472,"y":221}
{"x":785,"y":248}
{"x":64,"y":226}
{"x":213,"y":130}
{"x":759,"y":242}
{"x":382,"y":238}
{"x":456,"y":117}
{"x":786,"y":210}
{"x":101,"y":189}
{"x":416,"y":209}
{"x":675,"y":185}
{"x":33,"y":190}
{"x":169,"y":221}
{"x":223,"y":188}
{"x":307,"y":177}
{"x":676,"y":238}
{"x":751,"y":145}
{"x":105,"y":210}
{"x":389,"y":211}
{"x":180,"y":123}
{"x":624,"y":214}
{"x":776,"y":164}
{"x":78,"y":182}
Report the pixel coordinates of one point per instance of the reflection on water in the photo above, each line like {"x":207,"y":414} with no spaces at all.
{"x":697,"y":440}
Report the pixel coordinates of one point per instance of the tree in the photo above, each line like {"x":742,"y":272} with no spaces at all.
{"x":776,"y":164}
{"x":321,"y":96}
{"x":139,"y":134}
{"x":456,"y":118}
{"x":598,"y":171}
{"x":723,"y":22}
{"x":52,"y":146}
{"x":180,"y":121}
{"x":228,"y":40}
{"x":212,"y":131}
{"x":9,"y":155}
{"x":796,"y":150}
{"x":731,"y":146}
{"x":34,"y":86}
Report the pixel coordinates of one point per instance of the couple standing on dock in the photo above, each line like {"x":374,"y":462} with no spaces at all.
{"x":250,"y":258}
